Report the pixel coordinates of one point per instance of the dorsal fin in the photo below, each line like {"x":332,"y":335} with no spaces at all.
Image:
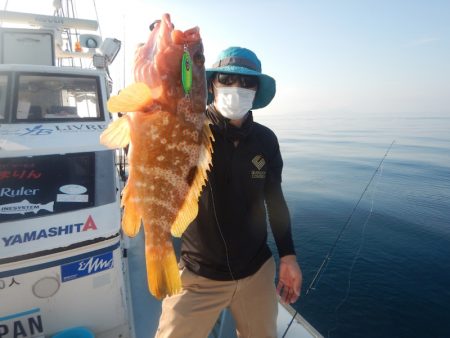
{"x":189,"y":209}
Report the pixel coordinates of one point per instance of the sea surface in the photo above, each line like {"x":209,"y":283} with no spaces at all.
{"x":389,"y":273}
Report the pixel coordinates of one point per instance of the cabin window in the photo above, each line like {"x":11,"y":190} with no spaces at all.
{"x":47,"y":98}
{"x":3,"y":90}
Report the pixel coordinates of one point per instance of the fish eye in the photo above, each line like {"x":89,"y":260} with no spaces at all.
{"x":199,"y":59}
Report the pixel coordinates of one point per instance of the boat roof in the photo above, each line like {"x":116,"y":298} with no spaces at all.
{"x":51,"y":69}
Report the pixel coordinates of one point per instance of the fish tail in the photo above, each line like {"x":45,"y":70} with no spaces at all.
{"x":48,"y":206}
{"x":163,"y":276}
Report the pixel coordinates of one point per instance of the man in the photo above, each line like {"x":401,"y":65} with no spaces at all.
{"x":225,"y":259}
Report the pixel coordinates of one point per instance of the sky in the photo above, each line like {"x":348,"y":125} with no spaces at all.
{"x":335,"y":56}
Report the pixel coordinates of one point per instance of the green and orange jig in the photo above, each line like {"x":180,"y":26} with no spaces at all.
{"x":186,"y":71}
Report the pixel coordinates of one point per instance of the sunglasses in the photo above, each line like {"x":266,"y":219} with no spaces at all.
{"x":245,"y":81}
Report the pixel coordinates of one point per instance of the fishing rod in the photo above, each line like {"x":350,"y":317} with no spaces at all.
{"x":327,"y":258}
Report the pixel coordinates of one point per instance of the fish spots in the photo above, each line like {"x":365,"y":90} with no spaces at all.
{"x":153,"y":133}
{"x":158,"y":239}
{"x":175,"y":132}
{"x":197,"y":120}
{"x":141,"y":184}
{"x":171,"y":146}
{"x":181,"y":152}
{"x":191,"y":134}
{"x":135,"y":199}
{"x":157,"y":202}
{"x":160,"y":158}
{"x":142,"y":169}
{"x":167,"y":176}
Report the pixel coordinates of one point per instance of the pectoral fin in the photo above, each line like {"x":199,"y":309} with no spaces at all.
{"x":133,"y":98}
{"x":131,"y":219}
{"x":117,"y":135}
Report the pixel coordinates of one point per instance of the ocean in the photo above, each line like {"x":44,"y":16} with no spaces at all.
{"x":389,"y":274}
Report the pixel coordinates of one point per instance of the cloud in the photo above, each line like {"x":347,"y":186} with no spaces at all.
{"x":422,"y":41}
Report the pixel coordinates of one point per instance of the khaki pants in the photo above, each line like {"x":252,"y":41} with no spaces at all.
{"x":193,"y":312}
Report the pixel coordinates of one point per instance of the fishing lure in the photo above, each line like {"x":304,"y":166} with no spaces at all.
{"x":186,"y":71}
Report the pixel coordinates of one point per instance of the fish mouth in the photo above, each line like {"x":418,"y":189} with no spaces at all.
{"x":158,"y":63}
{"x":153,"y":24}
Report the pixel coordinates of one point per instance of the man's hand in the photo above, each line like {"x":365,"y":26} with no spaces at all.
{"x":290,"y":279}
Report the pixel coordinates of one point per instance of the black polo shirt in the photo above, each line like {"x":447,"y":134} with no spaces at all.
{"x":228,"y":238}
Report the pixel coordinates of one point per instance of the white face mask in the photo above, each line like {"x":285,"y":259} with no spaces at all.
{"x":233,"y":102}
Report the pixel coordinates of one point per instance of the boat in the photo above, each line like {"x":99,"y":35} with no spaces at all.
{"x":66,"y":269}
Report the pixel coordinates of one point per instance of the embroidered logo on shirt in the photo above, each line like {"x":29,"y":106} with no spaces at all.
{"x":259,"y":162}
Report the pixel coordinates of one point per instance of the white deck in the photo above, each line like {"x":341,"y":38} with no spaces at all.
{"x":146,"y":309}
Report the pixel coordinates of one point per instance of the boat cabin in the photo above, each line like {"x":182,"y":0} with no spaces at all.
{"x":61,"y":251}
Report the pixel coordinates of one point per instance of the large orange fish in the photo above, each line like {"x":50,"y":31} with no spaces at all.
{"x":170,"y":145}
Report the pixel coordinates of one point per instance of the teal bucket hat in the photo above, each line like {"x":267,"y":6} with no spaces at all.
{"x":238,"y":60}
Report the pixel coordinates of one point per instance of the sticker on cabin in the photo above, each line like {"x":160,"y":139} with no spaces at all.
{"x":44,"y":233}
{"x":67,"y":180}
{"x":45,"y":130}
{"x":86,"y":267}
{"x":24,"y":207}
{"x":17,"y":192}
{"x":72,"y":193}
{"x":23,"y":324}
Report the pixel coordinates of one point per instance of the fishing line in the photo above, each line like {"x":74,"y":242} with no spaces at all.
{"x":98,"y":21}
{"x":363,"y":232}
{"x":221,"y":234}
{"x":1,"y":18}
{"x":327,"y":258}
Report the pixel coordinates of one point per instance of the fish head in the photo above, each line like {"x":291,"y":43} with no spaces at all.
{"x":158,"y":63}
